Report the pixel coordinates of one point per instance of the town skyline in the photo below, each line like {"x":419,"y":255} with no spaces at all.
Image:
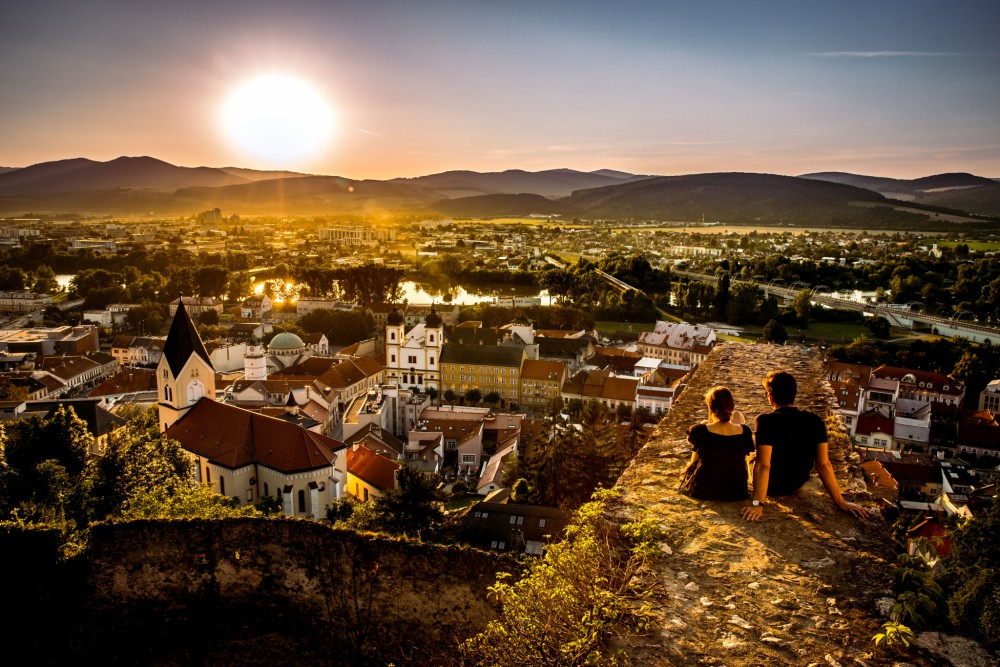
{"x":900,"y":90}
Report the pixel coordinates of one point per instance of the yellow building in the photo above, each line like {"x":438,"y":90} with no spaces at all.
{"x":541,"y":381}
{"x":488,"y":368}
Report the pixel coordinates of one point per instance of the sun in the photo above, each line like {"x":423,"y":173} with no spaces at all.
{"x":278,"y":119}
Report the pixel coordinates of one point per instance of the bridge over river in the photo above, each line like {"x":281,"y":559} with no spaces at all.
{"x":901,"y":315}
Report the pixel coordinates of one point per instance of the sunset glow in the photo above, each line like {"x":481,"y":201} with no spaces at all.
{"x":278,"y":119}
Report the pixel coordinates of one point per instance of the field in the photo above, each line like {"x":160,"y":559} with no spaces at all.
{"x":978,"y":246}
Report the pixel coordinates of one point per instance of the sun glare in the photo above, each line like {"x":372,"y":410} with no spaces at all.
{"x":278,"y":119}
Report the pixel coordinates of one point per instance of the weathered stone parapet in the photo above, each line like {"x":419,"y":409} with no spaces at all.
{"x":800,"y":586}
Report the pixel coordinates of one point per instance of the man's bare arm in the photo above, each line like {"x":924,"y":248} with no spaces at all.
{"x":761,"y":475}
{"x":826,"y":475}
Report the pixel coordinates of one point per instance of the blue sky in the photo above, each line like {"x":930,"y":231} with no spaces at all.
{"x":902,"y":88}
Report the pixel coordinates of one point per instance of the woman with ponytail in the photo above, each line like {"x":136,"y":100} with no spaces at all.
{"x":720,"y":446}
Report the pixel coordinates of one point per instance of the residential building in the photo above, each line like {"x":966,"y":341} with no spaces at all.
{"x":369,"y":474}
{"x":541,"y":381}
{"x":196,"y":305}
{"x":679,"y":343}
{"x":989,"y":398}
{"x":23,"y":302}
{"x":47,"y":341}
{"x":488,"y":368}
{"x":923,"y":386}
{"x":505,"y":526}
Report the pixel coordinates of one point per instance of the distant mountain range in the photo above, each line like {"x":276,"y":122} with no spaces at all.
{"x":145,"y":185}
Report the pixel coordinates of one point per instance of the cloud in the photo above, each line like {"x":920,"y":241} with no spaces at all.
{"x":369,"y":132}
{"x":893,"y":54}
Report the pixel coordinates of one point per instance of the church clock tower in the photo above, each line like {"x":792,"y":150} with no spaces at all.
{"x":184,"y":374}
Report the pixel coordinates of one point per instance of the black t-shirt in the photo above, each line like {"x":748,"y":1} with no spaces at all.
{"x":723,"y":471}
{"x":793,"y":436}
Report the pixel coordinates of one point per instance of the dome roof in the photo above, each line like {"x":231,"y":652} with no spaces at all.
{"x":433,"y":320}
{"x":285,"y":341}
{"x":394,"y":318}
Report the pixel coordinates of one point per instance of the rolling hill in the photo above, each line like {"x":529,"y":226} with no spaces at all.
{"x":549,"y":183}
{"x":124,"y":172}
{"x":960,"y":191}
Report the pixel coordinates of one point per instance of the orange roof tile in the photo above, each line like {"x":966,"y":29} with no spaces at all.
{"x":233,"y":437}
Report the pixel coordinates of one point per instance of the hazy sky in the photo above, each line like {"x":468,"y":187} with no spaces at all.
{"x":904,"y":88}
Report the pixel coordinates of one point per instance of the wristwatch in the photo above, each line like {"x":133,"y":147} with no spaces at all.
{"x":755,"y":503}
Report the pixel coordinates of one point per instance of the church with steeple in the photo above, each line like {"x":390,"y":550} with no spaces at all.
{"x":237,"y":452}
{"x":185,"y":372}
{"x":413,"y":358}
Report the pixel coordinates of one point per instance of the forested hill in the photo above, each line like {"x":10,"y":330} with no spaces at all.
{"x":736,"y":198}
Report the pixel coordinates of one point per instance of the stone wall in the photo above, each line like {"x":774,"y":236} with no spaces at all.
{"x":801,"y":586}
{"x":261,"y":592}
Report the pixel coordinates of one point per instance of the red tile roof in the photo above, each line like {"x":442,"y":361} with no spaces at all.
{"x":233,"y":437}
{"x":373,"y":468}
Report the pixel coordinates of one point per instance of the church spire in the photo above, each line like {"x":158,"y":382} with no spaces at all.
{"x":183,"y":341}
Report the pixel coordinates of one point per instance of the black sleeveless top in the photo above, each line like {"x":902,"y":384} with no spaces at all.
{"x":723,"y":472}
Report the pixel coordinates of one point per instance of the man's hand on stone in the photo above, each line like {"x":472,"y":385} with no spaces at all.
{"x":854,"y":509}
{"x":752,"y":513}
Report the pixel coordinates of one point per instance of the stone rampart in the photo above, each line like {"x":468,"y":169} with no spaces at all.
{"x":799,"y":587}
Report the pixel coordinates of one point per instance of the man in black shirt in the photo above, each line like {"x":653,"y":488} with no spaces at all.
{"x":790,"y":442}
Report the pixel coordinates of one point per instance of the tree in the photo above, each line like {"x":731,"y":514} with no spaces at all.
{"x":45,"y":469}
{"x":774,"y":332}
{"x":492,"y":397}
{"x":44,"y":279}
{"x":744,"y":304}
{"x":474,"y":396}
{"x":802,"y":305}
{"x":211,"y":280}
{"x":449,"y":396}
{"x":412,"y":507}
{"x":973,"y":568}
{"x":433,"y":393}
{"x":721,"y":302}
{"x":137,"y":457}
{"x":574,"y":601}
{"x":879,"y":326}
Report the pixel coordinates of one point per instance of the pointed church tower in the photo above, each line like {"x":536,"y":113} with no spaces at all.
{"x":185,"y":373}
{"x":255,"y":362}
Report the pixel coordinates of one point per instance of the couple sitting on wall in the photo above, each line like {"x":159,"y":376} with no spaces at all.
{"x":789,"y":443}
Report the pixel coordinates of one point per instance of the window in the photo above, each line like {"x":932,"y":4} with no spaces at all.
{"x":392,"y":358}
{"x":411,"y":359}
{"x":541,"y":523}
{"x":249,"y":495}
{"x":392,"y":335}
{"x":208,"y":475}
{"x":194,"y":372}
{"x":366,"y":494}
{"x":468,"y":458}
{"x":451,"y":445}
{"x":302,"y":500}
{"x":165,"y":373}
{"x":222,"y":485}
{"x":517,"y":520}
{"x":498,"y":544}
{"x":267,"y":492}
{"x":168,"y":394}
{"x":432,"y":338}
{"x":432,"y":361}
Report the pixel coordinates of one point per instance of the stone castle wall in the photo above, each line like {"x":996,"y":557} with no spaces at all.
{"x":259,"y":592}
